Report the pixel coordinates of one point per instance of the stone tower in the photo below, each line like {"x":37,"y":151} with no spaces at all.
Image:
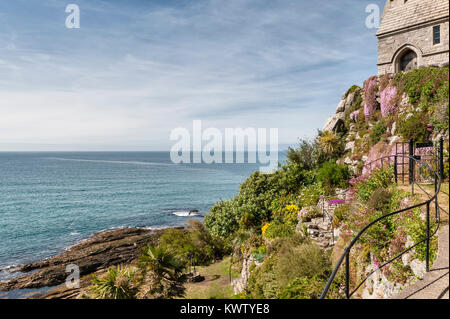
{"x":413,"y":33}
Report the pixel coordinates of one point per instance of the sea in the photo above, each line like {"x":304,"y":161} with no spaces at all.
{"x":49,"y":201}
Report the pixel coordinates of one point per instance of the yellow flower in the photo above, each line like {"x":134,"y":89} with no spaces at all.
{"x":292,"y":208}
{"x":264,"y":228}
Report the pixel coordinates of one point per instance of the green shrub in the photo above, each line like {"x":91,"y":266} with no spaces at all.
{"x":306,"y":260}
{"x":414,"y":125}
{"x":380,"y":200}
{"x":417,"y":229}
{"x":427,"y":89}
{"x":287,"y":261}
{"x":425,"y":85}
{"x":259,"y":253}
{"x":333,"y":175}
{"x":118,"y":283}
{"x":279,"y":230}
{"x":254,"y":203}
{"x":308,"y":288}
{"x":380,"y":178}
{"x":377,"y":131}
{"x":197,"y":240}
{"x":305,"y":155}
{"x":223,"y":219}
{"x":340,"y":213}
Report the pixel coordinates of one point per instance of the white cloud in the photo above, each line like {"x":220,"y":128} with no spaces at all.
{"x":132,"y":78}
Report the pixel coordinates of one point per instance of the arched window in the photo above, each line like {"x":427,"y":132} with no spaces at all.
{"x":408,"y":61}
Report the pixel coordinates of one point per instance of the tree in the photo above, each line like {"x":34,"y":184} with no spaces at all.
{"x":329,"y":143}
{"x":163,"y":273}
{"x":305,"y":155}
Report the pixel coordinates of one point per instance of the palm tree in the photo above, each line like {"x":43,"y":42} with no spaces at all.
{"x":328,"y":142}
{"x":119,"y":283}
{"x":163,"y":273}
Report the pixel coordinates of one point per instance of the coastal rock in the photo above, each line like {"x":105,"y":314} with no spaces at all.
{"x":101,"y":251}
{"x":335,"y":123}
{"x":341,"y":107}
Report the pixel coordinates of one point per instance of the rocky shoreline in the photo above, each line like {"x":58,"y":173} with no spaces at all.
{"x":93,"y":255}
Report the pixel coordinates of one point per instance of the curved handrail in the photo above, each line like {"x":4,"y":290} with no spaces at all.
{"x":346,"y":253}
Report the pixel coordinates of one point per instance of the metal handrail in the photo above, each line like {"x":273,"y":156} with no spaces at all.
{"x":347,"y":250}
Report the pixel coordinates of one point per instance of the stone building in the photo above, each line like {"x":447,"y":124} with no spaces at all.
{"x":413,"y":33}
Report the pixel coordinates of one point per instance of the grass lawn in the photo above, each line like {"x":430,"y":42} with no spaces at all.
{"x":216,"y":284}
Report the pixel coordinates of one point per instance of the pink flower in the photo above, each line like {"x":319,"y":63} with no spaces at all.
{"x":354,"y":115}
{"x":387,"y":104}
{"x":370,"y":97}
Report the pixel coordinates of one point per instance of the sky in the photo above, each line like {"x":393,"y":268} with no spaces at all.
{"x":137,"y":69}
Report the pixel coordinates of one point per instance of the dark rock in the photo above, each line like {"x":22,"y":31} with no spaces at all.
{"x":100,"y":251}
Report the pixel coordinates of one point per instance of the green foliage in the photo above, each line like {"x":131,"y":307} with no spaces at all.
{"x":305,"y":155}
{"x":161,"y":261}
{"x":163,"y":273}
{"x":414,"y":125}
{"x":259,"y":254}
{"x":290,"y":261}
{"x":340,"y":213}
{"x":196,"y":240}
{"x":310,"y":195}
{"x":417,"y":229}
{"x":425,"y":85}
{"x":285,"y":208}
{"x":255,"y":199}
{"x":279,"y":230}
{"x":308,"y":288}
{"x":427,"y":89}
{"x":380,"y":200}
{"x":377,"y":131}
{"x":306,"y":260}
{"x":380,"y":178}
{"x":223,"y":219}
{"x":331,"y":145}
{"x":333,"y":175}
{"x":119,"y":283}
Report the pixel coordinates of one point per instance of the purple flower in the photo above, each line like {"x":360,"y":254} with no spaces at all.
{"x":336,"y":201}
{"x":387,"y":104}
{"x":354,"y":115}
{"x":370,"y":97}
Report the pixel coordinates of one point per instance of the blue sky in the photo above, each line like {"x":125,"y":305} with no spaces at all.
{"x":137,"y":69}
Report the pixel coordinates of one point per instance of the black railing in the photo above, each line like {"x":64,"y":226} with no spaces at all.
{"x":427,"y":203}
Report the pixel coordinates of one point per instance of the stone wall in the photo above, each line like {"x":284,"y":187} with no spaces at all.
{"x":418,"y":39}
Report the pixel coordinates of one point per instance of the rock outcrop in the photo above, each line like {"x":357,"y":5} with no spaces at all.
{"x":336,"y":122}
{"x":240,"y":284}
{"x":102,"y":250}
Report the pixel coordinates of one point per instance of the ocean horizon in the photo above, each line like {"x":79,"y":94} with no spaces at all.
{"x":50,"y":201}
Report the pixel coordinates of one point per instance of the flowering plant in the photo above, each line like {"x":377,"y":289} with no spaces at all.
{"x":336,"y":201}
{"x":387,"y":100}
{"x":370,"y":97}
{"x":354,"y":115}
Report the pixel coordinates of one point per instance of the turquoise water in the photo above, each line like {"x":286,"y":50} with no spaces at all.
{"x":50,"y":201}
